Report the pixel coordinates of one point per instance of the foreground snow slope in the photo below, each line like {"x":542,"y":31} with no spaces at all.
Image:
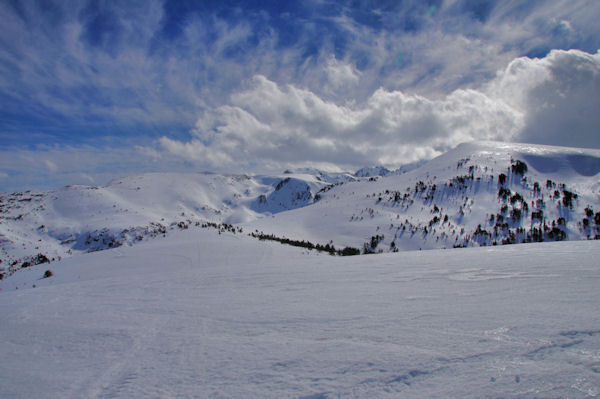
{"x":199,"y":314}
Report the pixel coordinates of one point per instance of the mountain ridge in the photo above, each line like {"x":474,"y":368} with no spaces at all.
{"x":477,"y":194}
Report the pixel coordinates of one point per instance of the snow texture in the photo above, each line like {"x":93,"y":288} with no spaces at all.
{"x":183,"y":302}
{"x":208,"y":315}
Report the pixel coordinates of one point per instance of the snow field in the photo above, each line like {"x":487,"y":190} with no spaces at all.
{"x":198,"y":314}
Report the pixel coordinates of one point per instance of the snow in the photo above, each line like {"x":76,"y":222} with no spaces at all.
{"x":462,"y":185}
{"x":77,"y":219}
{"x":453,"y":200}
{"x":372,"y":171}
{"x":202,"y":314}
{"x":178,"y":306}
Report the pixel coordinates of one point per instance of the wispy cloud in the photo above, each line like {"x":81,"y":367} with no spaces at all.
{"x":46,"y":167}
{"x":155,"y":63}
{"x":119,"y":74}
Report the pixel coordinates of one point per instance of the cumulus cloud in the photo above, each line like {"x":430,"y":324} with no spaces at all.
{"x":553,"y":100}
{"x":81,"y":66}
{"x":290,"y":126}
{"x":272,"y":126}
{"x":561,"y":96}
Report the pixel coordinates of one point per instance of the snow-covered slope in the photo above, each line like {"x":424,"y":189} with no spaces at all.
{"x":203,"y":315}
{"x":372,"y":171}
{"x":477,"y":194}
{"x":376,"y":171}
{"x":81,"y":218}
{"x":328,"y":177}
{"x":292,"y":191}
{"x":208,"y":311}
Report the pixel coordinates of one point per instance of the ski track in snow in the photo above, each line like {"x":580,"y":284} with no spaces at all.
{"x":203,"y":315}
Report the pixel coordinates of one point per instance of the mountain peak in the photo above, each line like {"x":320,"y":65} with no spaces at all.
{"x":372,"y":171}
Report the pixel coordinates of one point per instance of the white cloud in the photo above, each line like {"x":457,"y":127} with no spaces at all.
{"x":560,"y":95}
{"x":142,"y":78}
{"x":553,"y":100}
{"x":268,"y":126}
{"x":340,"y":75}
{"x":341,"y":93}
{"x":50,"y":165}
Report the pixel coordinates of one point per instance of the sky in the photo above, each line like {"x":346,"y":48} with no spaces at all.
{"x":91,"y":91}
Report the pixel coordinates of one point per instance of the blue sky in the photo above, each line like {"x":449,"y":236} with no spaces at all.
{"x":94,"y":90}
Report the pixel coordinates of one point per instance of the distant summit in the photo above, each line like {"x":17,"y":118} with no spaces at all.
{"x":372,"y":171}
{"x":382,"y":171}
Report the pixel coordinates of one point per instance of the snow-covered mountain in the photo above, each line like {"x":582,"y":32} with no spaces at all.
{"x":375,"y":171}
{"x":39,"y":226}
{"x":477,"y":194}
{"x":372,"y":171}
{"x":327,"y":177}
{"x":210,"y":311}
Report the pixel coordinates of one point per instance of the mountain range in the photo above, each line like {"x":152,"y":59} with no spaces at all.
{"x":478,"y":194}
{"x":187,"y":291}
